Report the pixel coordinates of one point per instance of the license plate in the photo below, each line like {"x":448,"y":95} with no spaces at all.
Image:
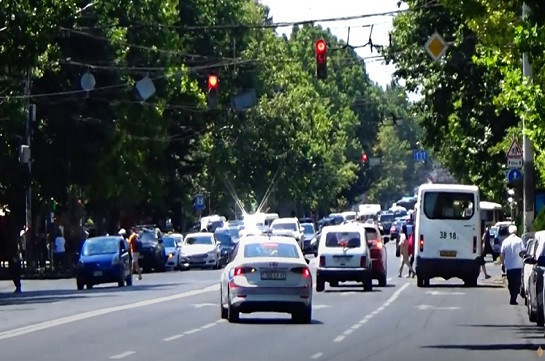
{"x":97,"y":273}
{"x":341,"y":260}
{"x":447,"y":253}
{"x":273,"y":275}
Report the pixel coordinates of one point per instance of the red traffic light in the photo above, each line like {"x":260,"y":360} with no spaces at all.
{"x":364,"y":158}
{"x":212,"y":82}
{"x":321,"y":47}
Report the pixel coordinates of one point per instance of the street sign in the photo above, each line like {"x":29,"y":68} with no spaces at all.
{"x":514,"y":163}
{"x":513,"y":175}
{"x":436,"y":46}
{"x":199,"y":202}
{"x":515,"y":150}
{"x":420,"y":155}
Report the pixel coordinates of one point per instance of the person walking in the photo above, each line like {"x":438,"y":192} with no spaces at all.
{"x":511,"y":260}
{"x":59,"y":251}
{"x":410,"y":241}
{"x":404,"y":252}
{"x":135,"y":245}
{"x":484,"y":240}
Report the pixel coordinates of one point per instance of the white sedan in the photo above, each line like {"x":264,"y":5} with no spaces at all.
{"x":200,"y":250}
{"x":267,"y":274}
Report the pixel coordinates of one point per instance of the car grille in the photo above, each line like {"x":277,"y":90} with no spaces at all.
{"x":197,"y":257}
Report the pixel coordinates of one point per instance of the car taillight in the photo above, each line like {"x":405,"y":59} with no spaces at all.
{"x":421,"y":243}
{"x":243,"y":270}
{"x":474,"y":244}
{"x":302,"y":271}
{"x":363,"y":261}
{"x":380,"y":244}
{"x":322,"y":261}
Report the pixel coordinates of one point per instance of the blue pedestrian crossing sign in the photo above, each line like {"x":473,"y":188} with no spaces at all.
{"x":513,"y":175}
{"x":199,"y":202}
{"x":420,"y":155}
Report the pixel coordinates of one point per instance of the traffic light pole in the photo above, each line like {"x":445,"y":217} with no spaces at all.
{"x":528,"y":151}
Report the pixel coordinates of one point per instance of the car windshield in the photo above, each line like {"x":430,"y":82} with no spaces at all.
{"x":308,"y":228}
{"x":224,"y":238}
{"x":271,"y":249}
{"x":342,"y":239}
{"x":284,"y":226}
{"x":147,"y":237}
{"x":191,"y":240}
{"x":386,"y":218}
{"x":169,"y":241}
{"x":503,"y":231}
{"x":232,"y":231}
{"x":102,"y":245}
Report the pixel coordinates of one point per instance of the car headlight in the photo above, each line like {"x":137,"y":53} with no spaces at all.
{"x":170,"y":255}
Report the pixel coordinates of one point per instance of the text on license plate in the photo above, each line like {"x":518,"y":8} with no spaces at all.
{"x":341,"y":260}
{"x":97,"y":273}
{"x":273,"y":275}
{"x":447,"y":253}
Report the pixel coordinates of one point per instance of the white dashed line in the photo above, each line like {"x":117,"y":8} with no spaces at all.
{"x":172,"y":338}
{"x":317,"y":355}
{"x":195,"y":330}
{"x":209,"y":325}
{"x":369,"y":316}
{"x":122,"y":355}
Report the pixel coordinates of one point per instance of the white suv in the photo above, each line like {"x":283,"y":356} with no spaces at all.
{"x":343,"y":255}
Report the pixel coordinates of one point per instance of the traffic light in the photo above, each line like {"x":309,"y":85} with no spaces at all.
{"x":364,"y":158}
{"x":212,"y":96}
{"x":321,"y":59}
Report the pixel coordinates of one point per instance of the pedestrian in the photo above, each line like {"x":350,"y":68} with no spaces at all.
{"x":511,"y":260}
{"x":484,"y":240}
{"x":410,"y":241}
{"x":136,"y":246}
{"x":15,"y":270}
{"x":59,"y":251}
{"x":404,"y":252}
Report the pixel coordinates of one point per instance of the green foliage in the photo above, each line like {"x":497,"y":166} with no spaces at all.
{"x":539,"y":221}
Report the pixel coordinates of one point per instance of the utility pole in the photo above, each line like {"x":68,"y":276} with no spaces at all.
{"x":528,"y":151}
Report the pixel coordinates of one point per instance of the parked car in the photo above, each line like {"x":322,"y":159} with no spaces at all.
{"x":200,"y":250}
{"x":379,"y":269}
{"x":153,"y":254}
{"x":530,"y":252}
{"x":343,"y":255}
{"x":173,"y":246}
{"x":535,"y":281}
{"x":500,"y":231}
{"x":104,"y":260}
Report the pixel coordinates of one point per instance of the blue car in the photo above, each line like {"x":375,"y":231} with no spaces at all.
{"x":104,"y":260}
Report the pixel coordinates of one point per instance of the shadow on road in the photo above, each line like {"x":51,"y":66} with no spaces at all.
{"x":274,"y":321}
{"x":461,"y":285}
{"x":525,"y":331}
{"x":489,"y":347}
{"x":56,"y":295}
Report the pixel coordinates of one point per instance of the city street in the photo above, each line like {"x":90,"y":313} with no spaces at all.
{"x":175,"y":316}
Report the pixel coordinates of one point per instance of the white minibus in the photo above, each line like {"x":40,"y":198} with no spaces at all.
{"x":447,"y":233}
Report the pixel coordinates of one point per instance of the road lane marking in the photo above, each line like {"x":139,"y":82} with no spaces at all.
{"x":195,"y":330}
{"x":364,"y":321}
{"x":122,"y":355}
{"x":172,"y":338}
{"x":103,"y":311}
{"x":443,"y":293}
{"x":348,"y":332}
{"x":316,"y":355}
{"x":429,"y":307}
{"x":201,"y":305}
{"x":317,"y":307}
{"x":338,"y":338}
{"x":209,"y":325}
{"x":221,"y":321}
{"x":356,"y":326}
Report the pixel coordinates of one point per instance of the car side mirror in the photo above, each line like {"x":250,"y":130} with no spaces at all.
{"x":307,"y":260}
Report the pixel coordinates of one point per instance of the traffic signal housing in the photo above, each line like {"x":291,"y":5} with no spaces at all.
{"x":364,"y":158}
{"x":212,"y":95}
{"x":321,"y":59}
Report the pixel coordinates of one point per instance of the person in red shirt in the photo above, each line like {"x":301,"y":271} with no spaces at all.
{"x":410,"y":241}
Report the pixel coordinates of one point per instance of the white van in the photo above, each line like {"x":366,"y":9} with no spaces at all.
{"x":447,"y":233}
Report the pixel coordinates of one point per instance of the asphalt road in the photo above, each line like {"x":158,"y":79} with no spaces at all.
{"x":175,"y":316}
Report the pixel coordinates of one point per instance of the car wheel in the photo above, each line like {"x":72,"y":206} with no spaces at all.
{"x":79,"y":284}
{"x":232,"y":314}
{"x":302,"y":317}
{"x":422,"y":282}
{"x":320,"y":284}
{"x":128,"y":280}
{"x":539,"y":318}
{"x":368,"y":284}
{"x":121,"y":283}
{"x":89,"y":286}
{"x":382,"y":281}
{"x":470,"y":282}
{"x":223,"y":310}
{"x":334,"y":283}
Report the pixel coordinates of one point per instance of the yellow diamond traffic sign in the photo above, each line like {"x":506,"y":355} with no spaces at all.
{"x":436,"y":46}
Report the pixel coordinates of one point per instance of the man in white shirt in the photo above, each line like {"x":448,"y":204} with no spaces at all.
{"x":59,"y":252}
{"x":510,"y":258}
